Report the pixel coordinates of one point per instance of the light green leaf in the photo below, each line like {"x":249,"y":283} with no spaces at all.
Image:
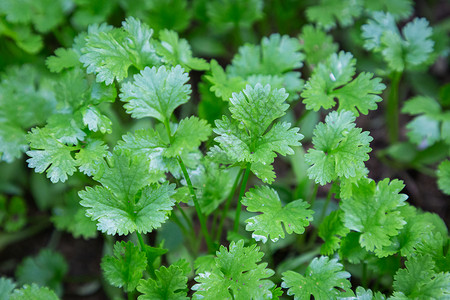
{"x":331,"y":230}
{"x":443,"y":174}
{"x":235,"y":271}
{"x":33,"y":291}
{"x":316,"y":44}
{"x":324,"y":279}
{"x":63,"y":59}
{"x":125,"y":268}
{"x":156,"y":92}
{"x":295,"y":216}
{"x":329,"y":12}
{"x":223,"y":85}
{"x":90,"y":158}
{"x":373,"y":210}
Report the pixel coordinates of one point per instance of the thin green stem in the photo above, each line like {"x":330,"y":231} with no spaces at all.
{"x":241,"y":194}
{"x":185,"y":217}
{"x":177,"y":221}
{"x":141,"y":241}
{"x":392,"y":107}
{"x":227,"y":205}
{"x":314,"y":194}
{"x":201,"y":217}
{"x":364,"y":275}
{"x":167,"y":125}
{"x":322,"y":216}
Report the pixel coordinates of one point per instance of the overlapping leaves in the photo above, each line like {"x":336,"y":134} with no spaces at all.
{"x":334,"y":80}
{"x":248,"y":137}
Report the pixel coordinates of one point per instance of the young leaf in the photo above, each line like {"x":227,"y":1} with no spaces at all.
{"x":226,"y":14}
{"x":340,"y":149}
{"x":52,"y":156}
{"x":333,"y":80}
{"x":255,"y":108}
{"x":329,"y":12}
{"x":235,"y":271}
{"x":324,"y":279}
{"x":109,"y":53}
{"x":316,"y":44}
{"x":419,"y":281}
{"x":125,"y":268}
{"x":409,"y":51}
{"x":48,"y":268}
{"x":125,"y":202}
{"x":170,"y":284}
{"x":33,"y":291}
{"x":295,"y":216}
{"x":361,"y":294}
{"x":156,"y":92}
{"x":221,"y":84}
{"x":63,"y":59}
{"x":6,"y":287}
{"x":400,"y":9}
{"x":372,"y":210}
{"x":176,"y":51}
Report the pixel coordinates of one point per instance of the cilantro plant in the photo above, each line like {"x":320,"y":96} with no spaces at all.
{"x":222,"y":150}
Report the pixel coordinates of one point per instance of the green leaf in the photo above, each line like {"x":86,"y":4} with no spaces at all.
{"x":248,"y":141}
{"x":421,"y":105}
{"x":176,"y":51}
{"x":15,"y":214}
{"x":7,"y":285}
{"x":324,"y":278}
{"x":410,"y":51}
{"x":339,"y":150}
{"x":372,"y":210}
{"x":125,"y":268}
{"x":188,"y":136}
{"x":109,"y":53}
{"x":235,"y":271}
{"x":48,"y":268}
{"x":330,"y":12}
{"x":90,"y":158}
{"x":443,"y":174}
{"x":223,"y":85}
{"x":52,"y":156}
{"x":156,"y":92}
{"x":126,"y":202}
{"x":361,"y":294}
{"x":33,"y":291}
{"x":170,"y":284}
{"x":333,"y":80}
{"x":331,"y":230}
{"x":96,"y":121}
{"x":400,"y":9}
{"x":419,"y":281}
{"x":63,"y":59}
{"x":316,"y":44}
{"x":295,"y":216}
{"x":227,"y":14}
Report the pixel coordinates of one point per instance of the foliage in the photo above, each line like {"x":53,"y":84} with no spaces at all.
{"x":213,"y":149}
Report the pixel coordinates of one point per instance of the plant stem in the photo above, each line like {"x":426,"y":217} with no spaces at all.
{"x":241,"y":194}
{"x":141,"y":241}
{"x":185,"y":217}
{"x":364,"y":275}
{"x":201,"y":217}
{"x":227,"y":205}
{"x":322,"y":215}
{"x":314,"y":194}
{"x":392,"y":107}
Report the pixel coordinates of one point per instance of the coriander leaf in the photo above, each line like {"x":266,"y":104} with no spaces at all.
{"x":334,"y":80}
{"x":156,"y":92}
{"x":316,"y":44}
{"x":170,"y":284}
{"x":90,"y":158}
{"x":434,"y":244}
{"x":125,"y":202}
{"x":329,"y":12}
{"x":235,"y":271}
{"x":63,"y":59}
{"x":52,"y":156}
{"x":419,"y":281}
{"x":422,"y":105}
{"x":48,"y":268}
{"x":443,"y":174}
{"x":188,"y":136}
{"x":33,"y":291}
{"x":247,"y":138}
{"x":339,"y":150}
{"x":423,"y":131}
{"x":96,"y":121}
{"x":372,"y":210}
{"x":111,"y":52}
{"x":409,"y":51}
{"x":6,"y":287}
{"x":324,"y":278}
{"x":227,"y":14}
{"x":361,"y":294}
{"x":125,"y":268}
{"x":400,"y":9}
{"x":176,"y":51}
{"x":331,"y":230}
{"x":295,"y":216}
{"x":223,"y":85}
{"x":277,"y":56}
